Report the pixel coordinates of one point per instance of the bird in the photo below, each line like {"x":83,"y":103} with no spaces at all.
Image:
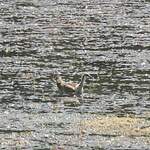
{"x":70,"y":88}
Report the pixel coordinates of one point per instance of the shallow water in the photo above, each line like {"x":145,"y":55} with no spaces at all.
{"x":107,"y":39}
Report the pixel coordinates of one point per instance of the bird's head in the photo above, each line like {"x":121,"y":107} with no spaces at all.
{"x":55,"y":77}
{"x":87,"y":75}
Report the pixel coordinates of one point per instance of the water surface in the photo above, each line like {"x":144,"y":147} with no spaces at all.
{"x":107,"y":39}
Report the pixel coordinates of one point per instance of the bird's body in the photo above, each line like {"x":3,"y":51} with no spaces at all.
{"x":70,"y":88}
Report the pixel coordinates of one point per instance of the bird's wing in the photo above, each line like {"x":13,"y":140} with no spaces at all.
{"x":70,"y":87}
{"x":74,"y":85}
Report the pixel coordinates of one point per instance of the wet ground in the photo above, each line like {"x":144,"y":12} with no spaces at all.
{"x":108,"y":39}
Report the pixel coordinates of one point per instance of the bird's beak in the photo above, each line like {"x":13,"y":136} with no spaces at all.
{"x":89,"y":76}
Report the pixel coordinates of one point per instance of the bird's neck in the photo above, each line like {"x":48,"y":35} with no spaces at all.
{"x":82,"y":81}
{"x":59,"y":80}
